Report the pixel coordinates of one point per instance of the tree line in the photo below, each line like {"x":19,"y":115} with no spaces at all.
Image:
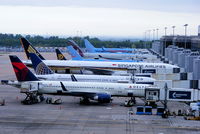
{"x":11,"y":40}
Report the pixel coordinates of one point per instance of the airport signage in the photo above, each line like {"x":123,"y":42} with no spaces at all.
{"x":181,"y":95}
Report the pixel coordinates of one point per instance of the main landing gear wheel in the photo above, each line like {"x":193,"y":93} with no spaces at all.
{"x":84,"y":101}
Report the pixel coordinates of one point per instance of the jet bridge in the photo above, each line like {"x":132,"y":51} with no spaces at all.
{"x":172,"y":94}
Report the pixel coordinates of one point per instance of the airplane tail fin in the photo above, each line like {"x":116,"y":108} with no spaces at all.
{"x":89,"y":47}
{"x":28,"y":48}
{"x":39,"y":66}
{"x":59,"y":55}
{"x":21,"y":71}
{"x":76,"y":47}
{"x":74,"y":54}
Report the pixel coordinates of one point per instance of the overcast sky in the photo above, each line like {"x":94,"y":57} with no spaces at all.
{"x":115,"y":18}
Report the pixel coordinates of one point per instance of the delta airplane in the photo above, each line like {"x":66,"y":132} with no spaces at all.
{"x":100,"y":92}
{"x":101,"y":67}
{"x":44,"y":72}
{"x":112,"y":56}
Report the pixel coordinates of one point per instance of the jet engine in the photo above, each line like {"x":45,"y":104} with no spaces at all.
{"x":103,"y":98}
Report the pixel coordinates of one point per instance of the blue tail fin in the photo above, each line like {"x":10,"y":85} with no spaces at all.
{"x":39,"y":66}
{"x":89,"y":47}
{"x":21,"y":71}
{"x":28,"y":48}
{"x":76,"y":47}
{"x":74,"y":54}
{"x":59,"y":55}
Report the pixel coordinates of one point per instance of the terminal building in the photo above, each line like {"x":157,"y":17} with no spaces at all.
{"x":189,"y":42}
{"x":183,"y":51}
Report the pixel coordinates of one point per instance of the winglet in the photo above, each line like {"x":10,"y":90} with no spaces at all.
{"x":21,"y":71}
{"x":74,"y":54}
{"x":28,"y":48}
{"x":76,"y":47}
{"x":39,"y":66}
{"x":63,"y":87}
{"x":73,"y":78}
{"x":59,"y":55}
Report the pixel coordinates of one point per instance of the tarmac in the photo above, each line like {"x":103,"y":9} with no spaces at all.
{"x":70,"y":117}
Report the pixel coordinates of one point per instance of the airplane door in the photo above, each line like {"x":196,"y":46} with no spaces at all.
{"x":33,"y":86}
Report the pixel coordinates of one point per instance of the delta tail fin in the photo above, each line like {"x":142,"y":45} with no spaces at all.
{"x":76,"y":47}
{"x":74,"y":54}
{"x":21,"y":71}
{"x":59,"y":55}
{"x":28,"y":48}
{"x":89,"y":47}
{"x":39,"y":66}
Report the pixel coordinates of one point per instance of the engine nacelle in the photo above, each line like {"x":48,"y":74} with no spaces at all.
{"x":103,"y":98}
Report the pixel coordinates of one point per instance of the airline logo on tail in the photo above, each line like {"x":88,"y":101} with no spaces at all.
{"x":31,"y":50}
{"x":20,"y":70}
{"x":41,"y":69}
{"x":60,"y":57}
{"x":39,"y":66}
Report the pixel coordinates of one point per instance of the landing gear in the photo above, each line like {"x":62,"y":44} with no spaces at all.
{"x":130,"y":102}
{"x":32,"y":98}
{"x":84,"y":100}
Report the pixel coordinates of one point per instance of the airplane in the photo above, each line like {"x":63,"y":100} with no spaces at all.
{"x":75,"y":56}
{"x":91,"y":53}
{"x":97,"y":91}
{"x":106,"y":68}
{"x":91,"y":48}
{"x":45,"y":73}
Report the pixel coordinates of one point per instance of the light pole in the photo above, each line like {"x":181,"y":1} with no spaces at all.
{"x":165,"y":39}
{"x":153,"y":34}
{"x":173,"y":27}
{"x":185,"y":33}
{"x":149,"y":35}
{"x":157,"y":33}
{"x":145,"y":39}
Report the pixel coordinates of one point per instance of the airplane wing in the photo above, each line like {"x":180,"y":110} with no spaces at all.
{"x":108,"y":58}
{"x":100,"y":71}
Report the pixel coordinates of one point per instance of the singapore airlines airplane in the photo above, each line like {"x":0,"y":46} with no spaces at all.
{"x":44,"y":72}
{"x":100,"y":92}
{"x":101,"y":67}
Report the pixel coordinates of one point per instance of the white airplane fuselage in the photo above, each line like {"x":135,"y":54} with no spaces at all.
{"x":120,"y":56}
{"x":105,"y":65}
{"x":97,"y":78}
{"x":84,"y":88}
